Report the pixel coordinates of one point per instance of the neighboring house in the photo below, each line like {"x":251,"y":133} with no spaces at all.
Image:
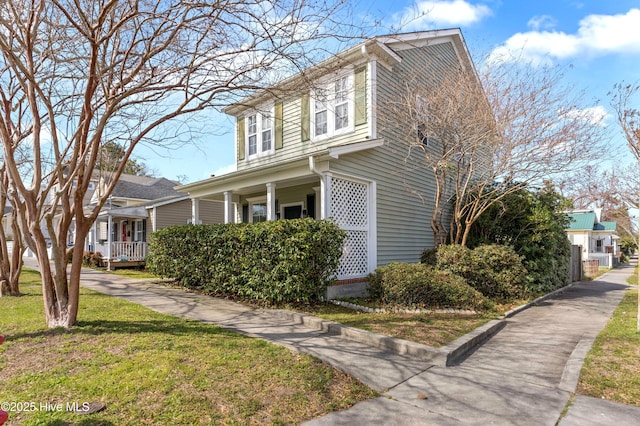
{"x":597,"y":239}
{"x":7,"y":217}
{"x":138,"y":206}
{"x":326,"y":151}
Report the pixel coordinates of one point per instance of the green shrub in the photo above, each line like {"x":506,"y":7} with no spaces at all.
{"x":429,"y":257}
{"x":416,"y":285}
{"x":272,"y":262}
{"x":494,"y":270}
{"x":533,"y":223}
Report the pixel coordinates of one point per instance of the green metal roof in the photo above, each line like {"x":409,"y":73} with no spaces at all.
{"x":605,"y":226}
{"x":587,"y":221}
{"x":581,"y":221}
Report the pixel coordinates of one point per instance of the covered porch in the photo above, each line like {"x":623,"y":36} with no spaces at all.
{"x":120,"y":236}
{"x":302,"y":189}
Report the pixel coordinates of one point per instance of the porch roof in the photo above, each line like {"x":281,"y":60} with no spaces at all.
{"x":135,"y":212}
{"x":283,"y":174}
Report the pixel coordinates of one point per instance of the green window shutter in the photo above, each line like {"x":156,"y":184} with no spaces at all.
{"x":240,"y":137}
{"x":305,"y":118}
{"x":278,"y":124}
{"x":360,"y":96}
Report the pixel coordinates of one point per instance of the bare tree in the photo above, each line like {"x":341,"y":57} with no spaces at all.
{"x":488,"y":134}
{"x":10,"y":260}
{"x":612,"y":190}
{"x":75,"y":75}
{"x":625,"y":99}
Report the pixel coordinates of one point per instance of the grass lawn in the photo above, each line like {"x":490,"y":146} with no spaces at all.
{"x":612,"y":367}
{"x":431,"y":329}
{"x":150,"y":368}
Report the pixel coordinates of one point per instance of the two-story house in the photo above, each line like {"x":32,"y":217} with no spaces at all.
{"x":323,"y":144}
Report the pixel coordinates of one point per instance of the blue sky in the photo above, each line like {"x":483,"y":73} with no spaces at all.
{"x":598,"y":39}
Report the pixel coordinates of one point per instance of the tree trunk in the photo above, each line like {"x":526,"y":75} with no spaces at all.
{"x":62,"y":292}
{"x":11,"y":264}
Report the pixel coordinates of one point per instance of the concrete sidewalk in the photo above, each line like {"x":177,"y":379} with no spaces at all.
{"x":525,"y":374}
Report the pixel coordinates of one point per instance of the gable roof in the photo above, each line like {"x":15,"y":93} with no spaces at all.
{"x":582,"y":221}
{"x":144,"y":188}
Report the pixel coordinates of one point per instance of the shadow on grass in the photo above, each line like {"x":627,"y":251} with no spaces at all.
{"x":86,"y":422}
{"x":101,"y":327}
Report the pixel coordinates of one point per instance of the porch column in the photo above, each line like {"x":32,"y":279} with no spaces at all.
{"x":195,"y":211}
{"x":325,"y":191}
{"x":109,"y":234}
{"x":228,"y":207}
{"x":271,"y":201}
{"x":318,"y":206}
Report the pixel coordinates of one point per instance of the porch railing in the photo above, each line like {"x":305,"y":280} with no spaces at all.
{"x":128,"y":251}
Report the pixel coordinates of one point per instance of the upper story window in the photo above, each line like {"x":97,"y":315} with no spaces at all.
{"x":332,"y":108}
{"x":259,"y":133}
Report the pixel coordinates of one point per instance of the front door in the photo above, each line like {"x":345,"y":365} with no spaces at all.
{"x":292,"y":212}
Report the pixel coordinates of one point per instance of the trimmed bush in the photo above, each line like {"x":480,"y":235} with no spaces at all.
{"x":416,"y":285}
{"x":494,"y":270}
{"x":272,"y":262}
{"x":429,"y":257}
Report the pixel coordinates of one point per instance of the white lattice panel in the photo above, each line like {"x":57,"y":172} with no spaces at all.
{"x":349,"y":207}
{"x":354,"y":255}
{"x":349,"y":203}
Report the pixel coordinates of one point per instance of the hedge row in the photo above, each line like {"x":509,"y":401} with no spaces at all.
{"x":418,"y":285}
{"x":272,"y":262}
{"x":494,"y":270}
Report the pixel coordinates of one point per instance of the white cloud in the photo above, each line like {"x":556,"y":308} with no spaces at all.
{"x":597,"y":115}
{"x":542,"y":21}
{"x":438,"y":13}
{"x":597,"y":35}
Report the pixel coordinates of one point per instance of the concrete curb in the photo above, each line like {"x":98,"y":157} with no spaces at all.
{"x":534,"y":302}
{"x":445,"y":356}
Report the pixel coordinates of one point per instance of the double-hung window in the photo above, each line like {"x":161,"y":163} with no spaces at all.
{"x":321,"y":112}
{"x":342,"y":104}
{"x":259,"y":133}
{"x":332,"y":108}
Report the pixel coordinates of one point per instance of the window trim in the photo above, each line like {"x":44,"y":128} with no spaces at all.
{"x":296,"y":204}
{"x":329,"y":86}
{"x":260,"y":115}
{"x":253,"y":201}
{"x":139,"y":227}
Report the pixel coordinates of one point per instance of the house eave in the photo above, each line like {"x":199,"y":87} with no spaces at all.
{"x":337,"y":151}
{"x":287,"y":170}
{"x":299,"y":83}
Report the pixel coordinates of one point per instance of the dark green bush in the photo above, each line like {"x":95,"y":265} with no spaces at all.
{"x":272,"y":262}
{"x":496,"y":271}
{"x":429,"y":257}
{"x":533,"y":223}
{"x":416,"y":285}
